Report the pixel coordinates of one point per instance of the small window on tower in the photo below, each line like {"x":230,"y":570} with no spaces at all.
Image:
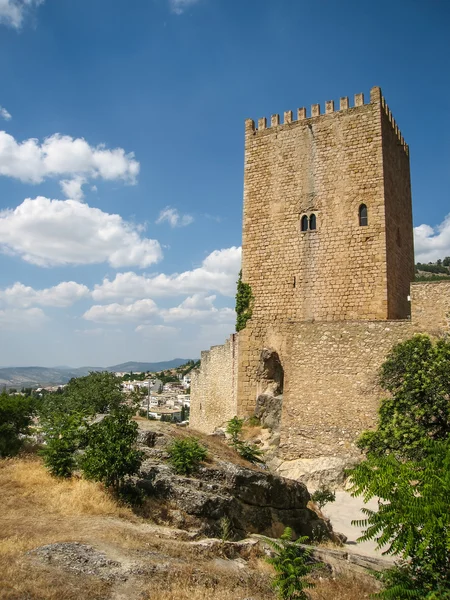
{"x":304,"y":223}
{"x":312,"y":221}
{"x":363,"y":220}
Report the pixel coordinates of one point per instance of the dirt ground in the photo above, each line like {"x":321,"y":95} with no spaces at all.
{"x":70,"y":539}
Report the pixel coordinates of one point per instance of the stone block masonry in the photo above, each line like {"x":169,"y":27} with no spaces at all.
{"x":328,"y":252}
{"x":214,"y":387}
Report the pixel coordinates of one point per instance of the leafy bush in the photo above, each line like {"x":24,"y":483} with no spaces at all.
{"x":322,"y":496}
{"x":413,"y":519}
{"x":417,"y":375}
{"x":246,"y":450}
{"x":16,"y":413}
{"x":185,"y":455}
{"x":249,"y":451}
{"x":292,"y":563}
{"x":244,"y":300}
{"x":111,"y":453}
{"x":64,"y":435}
{"x":234,"y":428}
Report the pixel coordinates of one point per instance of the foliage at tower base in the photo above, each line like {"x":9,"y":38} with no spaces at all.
{"x":408,"y":469}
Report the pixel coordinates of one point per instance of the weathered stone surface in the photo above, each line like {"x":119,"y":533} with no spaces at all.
{"x":325,"y":471}
{"x":268,"y":410}
{"x":255,"y":501}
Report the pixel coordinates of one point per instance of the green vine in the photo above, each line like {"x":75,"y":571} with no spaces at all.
{"x":244,"y":299}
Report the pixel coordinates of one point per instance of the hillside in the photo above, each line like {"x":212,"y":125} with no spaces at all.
{"x":19,"y":377}
{"x":148,"y":366}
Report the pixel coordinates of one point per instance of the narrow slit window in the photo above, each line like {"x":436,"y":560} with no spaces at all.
{"x":312,"y":222}
{"x":363,"y":219}
{"x":304,"y":223}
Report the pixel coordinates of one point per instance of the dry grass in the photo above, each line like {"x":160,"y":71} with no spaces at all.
{"x":207,"y":581}
{"x":38,"y":510}
{"x":345,"y":587}
{"x":26,"y":483}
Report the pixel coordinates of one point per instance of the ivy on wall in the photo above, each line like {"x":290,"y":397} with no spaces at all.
{"x":244,"y":299}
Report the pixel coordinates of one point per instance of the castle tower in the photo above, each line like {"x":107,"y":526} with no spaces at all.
{"x":327,"y":227}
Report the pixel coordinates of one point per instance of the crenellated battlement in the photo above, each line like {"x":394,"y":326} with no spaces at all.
{"x":375,"y":98}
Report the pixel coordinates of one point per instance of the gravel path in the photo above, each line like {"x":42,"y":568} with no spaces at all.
{"x":342,"y":512}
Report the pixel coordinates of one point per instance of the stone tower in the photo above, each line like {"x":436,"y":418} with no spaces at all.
{"x":328,"y":252}
{"x":327,"y":228}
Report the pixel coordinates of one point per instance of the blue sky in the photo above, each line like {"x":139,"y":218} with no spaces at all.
{"x":121,"y":154}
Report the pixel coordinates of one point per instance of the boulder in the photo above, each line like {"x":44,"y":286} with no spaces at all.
{"x":254,"y":500}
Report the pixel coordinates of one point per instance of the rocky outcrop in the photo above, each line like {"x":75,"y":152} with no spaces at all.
{"x":254,"y":500}
{"x":324,"y":471}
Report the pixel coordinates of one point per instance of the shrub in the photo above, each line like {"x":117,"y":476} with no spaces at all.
{"x":16,"y":413}
{"x":249,"y":451}
{"x":185,"y":455}
{"x":64,"y":434}
{"x":292,"y":563}
{"x":234,"y":428}
{"x":416,"y":373}
{"x":244,"y":300}
{"x":322,"y":496}
{"x":111,"y":453}
{"x":246,"y":450}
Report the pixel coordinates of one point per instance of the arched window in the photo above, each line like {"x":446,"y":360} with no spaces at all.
{"x":363,"y":219}
{"x":304,"y":223}
{"x":312,"y":221}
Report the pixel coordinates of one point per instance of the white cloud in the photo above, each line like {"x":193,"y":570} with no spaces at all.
{"x":173,"y":217}
{"x":4,"y":113}
{"x":156,"y":330}
{"x":115,"y":313}
{"x":14,"y":319}
{"x":431,"y":243}
{"x":199,"y":308}
{"x":218,"y":273}
{"x":61,"y":232}
{"x":179,"y":6}
{"x":48,"y":233}
{"x":61,"y":295}
{"x":73,"y":188}
{"x":62,"y":155}
{"x":12,"y":12}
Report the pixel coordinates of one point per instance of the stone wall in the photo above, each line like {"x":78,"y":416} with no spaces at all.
{"x":214,"y":387}
{"x":430,"y":306}
{"x":330,"y":390}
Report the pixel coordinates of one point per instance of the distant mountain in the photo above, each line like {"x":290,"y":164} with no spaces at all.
{"x":19,"y":377}
{"x":39,"y":376}
{"x":146,"y":366}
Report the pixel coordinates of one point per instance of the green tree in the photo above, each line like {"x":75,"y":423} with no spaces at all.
{"x":64,"y":434}
{"x":292,"y":563}
{"x":111,"y":454}
{"x":413,"y":519}
{"x":446,"y":261}
{"x":416,"y":373}
{"x":98,"y":392}
{"x":16,"y":414}
{"x":244,"y":301}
